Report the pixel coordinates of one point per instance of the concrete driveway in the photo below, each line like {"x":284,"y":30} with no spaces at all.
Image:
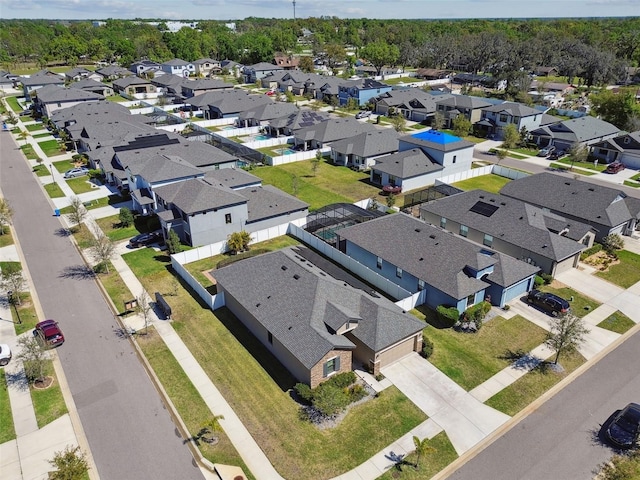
{"x":465,"y":419}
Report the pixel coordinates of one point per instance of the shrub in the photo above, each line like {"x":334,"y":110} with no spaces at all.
{"x":357,"y":392}
{"x":546,"y":278}
{"x":447,"y":315}
{"x":329,"y":400}
{"x":591,"y":251}
{"x":427,"y":347}
{"x":539,"y":281}
{"x":304,"y":392}
{"x":341,"y":380}
{"x":612,"y":242}
{"x":126,"y":217}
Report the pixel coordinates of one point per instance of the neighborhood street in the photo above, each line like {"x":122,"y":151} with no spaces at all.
{"x":129,"y":431}
{"x":561,"y":438}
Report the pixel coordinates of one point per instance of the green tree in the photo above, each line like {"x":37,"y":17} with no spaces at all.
{"x":422,"y":448}
{"x":70,"y":464}
{"x":380,"y":53}
{"x":566,"y":332}
{"x":315,"y":162}
{"x":173,"y":242}
{"x":336,"y":54}
{"x":511,"y":136}
{"x":461,"y":126}
{"x":12,"y":279}
{"x":78,"y":213}
{"x":306,"y":64}
{"x":391,"y":200}
{"x":143,"y":308}
{"x":238,"y":241}
{"x":209,"y":429}
{"x":399,"y":123}
{"x":501,"y":153}
{"x":126,"y":217}
{"x":438,"y":121}
{"x":579,"y":153}
{"x":34,"y":358}
{"x":102,"y":249}
{"x":615,"y":108}
{"x":6,"y":214}
{"x":23,"y":135}
{"x":613,"y":242}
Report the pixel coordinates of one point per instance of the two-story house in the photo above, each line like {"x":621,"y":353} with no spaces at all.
{"x":206,"y":66}
{"x":450,"y":106}
{"x":38,"y":80}
{"x":361,"y":151}
{"x":361,"y":90}
{"x":177,"y":66}
{"x":257,"y":71}
{"x":52,"y":97}
{"x":496,"y":117}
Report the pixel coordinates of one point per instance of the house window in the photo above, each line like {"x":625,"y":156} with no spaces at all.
{"x":443,"y":222}
{"x":331,"y":366}
{"x":504,"y":118}
{"x":464,"y":230}
{"x":420,"y":285}
{"x":379,"y":263}
{"x":270,"y":337}
{"x":227,"y":218}
{"x":398,"y":272}
{"x":488,"y":240}
{"x":470,"y":300}
{"x":454,"y":158}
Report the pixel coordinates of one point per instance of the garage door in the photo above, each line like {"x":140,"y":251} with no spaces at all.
{"x":396,"y":352}
{"x":565,"y":265}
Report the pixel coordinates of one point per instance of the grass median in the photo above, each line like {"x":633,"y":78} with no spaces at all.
{"x":7,"y":432}
{"x":48,"y":403}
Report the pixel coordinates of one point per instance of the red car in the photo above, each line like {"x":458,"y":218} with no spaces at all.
{"x":614,"y":167}
{"x":49,"y":333}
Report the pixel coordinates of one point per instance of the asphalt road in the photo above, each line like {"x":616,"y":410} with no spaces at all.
{"x":130,"y":433}
{"x":562,"y":439}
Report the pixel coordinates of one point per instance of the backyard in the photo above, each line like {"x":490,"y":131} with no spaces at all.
{"x":252,"y":380}
{"x":489,"y":183}
{"x":330,"y":184}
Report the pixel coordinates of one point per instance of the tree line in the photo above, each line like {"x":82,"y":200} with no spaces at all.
{"x":594,"y":50}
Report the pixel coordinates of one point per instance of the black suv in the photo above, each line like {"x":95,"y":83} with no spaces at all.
{"x":550,"y":303}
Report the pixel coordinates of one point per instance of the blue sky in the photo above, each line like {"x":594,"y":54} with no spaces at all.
{"x":237,"y":9}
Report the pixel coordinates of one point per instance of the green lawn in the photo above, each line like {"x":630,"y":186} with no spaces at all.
{"x":7,"y":432}
{"x":258,"y":387}
{"x":64,"y":165}
{"x":51,"y":148}
{"x":29,"y":152}
{"x":561,"y":166}
{"x":41,"y":135}
{"x":80,"y":184}
{"x":116,"y":289}
{"x":48,"y":403}
{"x":527,"y":152}
{"x":193,"y":411}
{"x":99,"y":202}
{"x":396,"y":81}
{"x":6,"y":238}
{"x":429,"y":463}
{"x":531,"y":386}
{"x":471,"y":359}
{"x":625,"y":273}
{"x":629,"y":183}
{"x":54,"y":190}
{"x":331,"y":184}
{"x":112,"y":229}
{"x":601,"y":167}
{"x":34,"y":127}
{"x":26,"y":317}
{"x":580,"y":305}
{"x":13,"y":104}
{"x":83,"y":236}
{"x":117,"y":98}
{"x":617,"y":322}
{"x":490,"y":183}
{"x":41,"y":170}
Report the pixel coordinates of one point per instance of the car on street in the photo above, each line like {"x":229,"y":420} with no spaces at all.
{"x":550,"y":303}
{"x":546,"y":151}
{"x":624,"y":429}
{"x":363,"y":114}
{"x":146,"y":239}
{"x":5,"y":354}
{"x":76,"y":172}
{"x":614,"y":167}
{"x":49,"y":334}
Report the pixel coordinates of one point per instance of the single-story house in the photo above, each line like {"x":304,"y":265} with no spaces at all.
{"x":608,"y":210}
{"x":300,"y":119}
{"x":90,"y":85}
{"x":315,"y":325}
{"x":361,"y":151}
{"x":413,"y":104}
{"x":510,"y":226}
{"x":80,"y":73}
{"x":169,"y":84}
{"x":624,"y":148}
{"x":133,"y":85}
{"x":53,"y":97}
{"x":546,"y":71}
{"x":449,"y":269}
{"x":583,"y":131}
{"x":264,"y":112}
{"x":433,"y":73}
{"x":323,"y":134}
{"x":113,"y":72}
{"x":38,"y":80}
{"x":227,"y":103}
{"x":196,"y":87}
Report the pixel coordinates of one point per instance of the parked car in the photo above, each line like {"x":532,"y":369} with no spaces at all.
{"x":363,"y":114}
{"x":558,"y":154}
{"x":5,"y":354}
{"x":614,"y":167}
{"x":546,"y":151}
{"x":49,"y":333}
{"x":624,"y":429}
{"x":550,"y":303}
{"x":76,"y":172}
{"x":146,"y":239}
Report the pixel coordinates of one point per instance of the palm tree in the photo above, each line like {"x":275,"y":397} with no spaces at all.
{"x":422,"y":448}
{"x":206,"y":433}
{"x":23,"y":135}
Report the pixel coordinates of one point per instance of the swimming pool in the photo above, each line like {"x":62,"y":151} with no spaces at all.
{"x":261,"y":137}
{"x":286,"y":151}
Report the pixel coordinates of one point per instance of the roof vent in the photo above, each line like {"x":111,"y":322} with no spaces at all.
{"x":481,"y":196}
{"x":421,"y":259}
{"x":492,"y":200}
{"x":567,"y":183}
{"x":418,"y":230}
{"x":257,"y":305}
{"x":502,"y":203}
{"x":296,"y":276}
{"x":591,"y":189}
{"x":432,"y":236}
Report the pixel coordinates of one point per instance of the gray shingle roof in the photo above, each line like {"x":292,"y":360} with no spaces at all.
{"x":581,"y":129}
{"x":264,"y":66}
{"x":229,"y":101}
{"x":268,"y":111}
{"x":267,"y":201}
{"x":297,"y":119}
{"x":232,"y":177}
{"x":57,"y":94}
{"x":43,"y":77}
{"x":301,"y":308}
{"x":176,"y":62}
{"x":577,"y":198}
{"x":462,"y":101}
{"x":334,"y":129}
{"x":163,"y":168}
{"x":407,"y":164}
{"x":513,"y":222}
{"x":428,"y":253}
{"x":198,"y":195}
{"x":88,"y":84}
{"x":513,"y":109}
{"x":369,"y":144}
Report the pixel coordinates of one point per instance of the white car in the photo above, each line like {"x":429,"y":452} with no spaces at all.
{"x":5,"y":354}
